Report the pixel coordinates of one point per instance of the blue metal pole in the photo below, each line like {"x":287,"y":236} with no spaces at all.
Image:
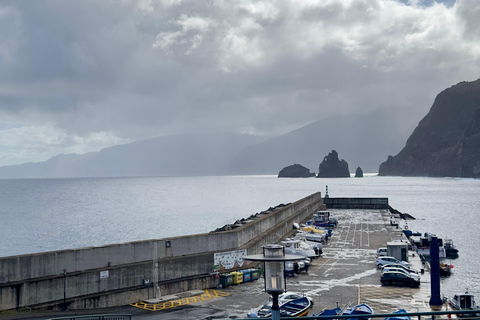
{"x":435,"y":299}
{"x":275,"y":307}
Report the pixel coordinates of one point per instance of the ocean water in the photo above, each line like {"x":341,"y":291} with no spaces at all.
{"x":39,"y":215}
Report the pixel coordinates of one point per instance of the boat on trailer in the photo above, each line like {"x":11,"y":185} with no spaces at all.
{"x":399,"y":317}
{"x":358,"y":309}
{"x":293,"y":309}
{"x":296,"y":308}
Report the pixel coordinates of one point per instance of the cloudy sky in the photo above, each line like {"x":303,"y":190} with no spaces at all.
{"x":80,"y":75}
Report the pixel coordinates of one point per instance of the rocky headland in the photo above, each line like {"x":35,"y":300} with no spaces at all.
{"x":446,"y":142}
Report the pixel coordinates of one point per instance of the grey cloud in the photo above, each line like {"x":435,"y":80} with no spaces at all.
{"x":140,"y":69}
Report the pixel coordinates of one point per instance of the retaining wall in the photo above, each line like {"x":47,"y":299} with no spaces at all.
{"x":120,"y":274}
{"x":356,"y":203}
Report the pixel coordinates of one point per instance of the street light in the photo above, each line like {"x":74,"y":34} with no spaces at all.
{"x":274,"y":258}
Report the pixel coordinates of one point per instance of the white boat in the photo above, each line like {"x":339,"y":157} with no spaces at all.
{"x":315,"y":237}
{"x":421,"y":244}
{"x":315,"y":245}
{"x":295,"y":247}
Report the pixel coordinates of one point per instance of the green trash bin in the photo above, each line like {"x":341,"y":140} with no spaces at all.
{"x":226,"y":280}
{"x":255,"y":274}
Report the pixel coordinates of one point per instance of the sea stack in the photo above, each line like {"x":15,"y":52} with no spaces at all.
{"x":333,"y":167}
{"x":296,"y":171}
{"x":359,"y":173}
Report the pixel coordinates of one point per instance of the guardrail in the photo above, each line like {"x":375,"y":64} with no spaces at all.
{"x":97,"y":317}
{"x":464,"y":314}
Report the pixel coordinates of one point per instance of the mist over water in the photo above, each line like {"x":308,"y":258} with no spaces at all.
{"x":41,"y":215}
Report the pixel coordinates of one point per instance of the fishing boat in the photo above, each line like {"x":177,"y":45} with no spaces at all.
{"x":329,"y":312}
{"x":422,"y":245}
{"x":297,"y":247}
{"x":323,"y":219}
{"x":445,"y":269}
{"x":316,"y":246}
{"x":293,"y":308}
{"x":450,"y":250}
{"x":358,"y":309}
{"x":310,"y":236}
{"x":464,"y":302}
{"x":399,"y":317}
{"x":296,"y":308}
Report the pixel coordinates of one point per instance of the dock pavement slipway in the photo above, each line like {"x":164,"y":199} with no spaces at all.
{"x":345,"y":274}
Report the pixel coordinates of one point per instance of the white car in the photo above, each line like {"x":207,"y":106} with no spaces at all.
{"x":382,"y":252}
{"x":383,"y":260}
{"x":398,"y":265}
{"x":401,"y":270}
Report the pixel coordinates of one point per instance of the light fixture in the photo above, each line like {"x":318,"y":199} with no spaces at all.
{"x":274,"y":258}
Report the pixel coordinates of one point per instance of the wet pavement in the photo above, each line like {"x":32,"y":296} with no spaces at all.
{"x":345,"y":274}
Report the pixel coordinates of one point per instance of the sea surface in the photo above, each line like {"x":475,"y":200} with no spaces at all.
{"x":39,"y":215}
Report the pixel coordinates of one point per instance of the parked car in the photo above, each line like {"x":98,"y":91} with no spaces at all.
{"x":398,"y":265}
{"x":382,"y":252}
{"x":398,"y":279}
{"x":401,"y":270}
{"x":383,"y":260}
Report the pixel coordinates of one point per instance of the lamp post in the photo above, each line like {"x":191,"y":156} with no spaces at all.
{"x":274,"y":258}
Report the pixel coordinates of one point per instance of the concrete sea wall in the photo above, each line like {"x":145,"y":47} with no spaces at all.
{"x":120,"y":274}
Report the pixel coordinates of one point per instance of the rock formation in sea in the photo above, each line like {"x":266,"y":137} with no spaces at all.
{"x":333,"y":167}
{"x":359,"y":173}
{"x":446,"y":142}
{"x":295,"y":171}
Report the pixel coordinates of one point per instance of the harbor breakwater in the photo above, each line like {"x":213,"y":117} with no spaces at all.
{"x":120,"y":274}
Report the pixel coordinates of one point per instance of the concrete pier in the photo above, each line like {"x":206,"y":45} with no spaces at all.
{"x":345,"y":274}
{"x":120,"y":274}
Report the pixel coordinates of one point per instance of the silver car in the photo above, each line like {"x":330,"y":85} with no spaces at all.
{"x":401,"y":270}
{"x":383,"y":260}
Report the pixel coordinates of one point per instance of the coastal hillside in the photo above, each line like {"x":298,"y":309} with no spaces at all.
{"x":183,"y":155}
{"x":446,"y":143}
{"x":362,"y":139}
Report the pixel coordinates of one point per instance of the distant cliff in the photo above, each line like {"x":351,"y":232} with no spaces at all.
{"x":182,"y":155}
{"x":446,"y":143}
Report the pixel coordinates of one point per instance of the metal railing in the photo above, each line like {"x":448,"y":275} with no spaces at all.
{"x":97,"y":317}
{"x":474,"y":314}
{"x":465,"y":314}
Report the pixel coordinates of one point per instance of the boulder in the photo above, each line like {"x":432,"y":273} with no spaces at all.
{"x":333,"y":167}
{"x":295,"y":171}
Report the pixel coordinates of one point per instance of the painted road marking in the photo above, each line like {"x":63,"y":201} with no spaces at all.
{"x":212,"y":294}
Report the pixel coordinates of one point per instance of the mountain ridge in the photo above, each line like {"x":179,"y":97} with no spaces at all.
{"x":363,"y":140}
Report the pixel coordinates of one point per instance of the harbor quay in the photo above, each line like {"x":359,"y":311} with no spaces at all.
{"x":344,"y":275}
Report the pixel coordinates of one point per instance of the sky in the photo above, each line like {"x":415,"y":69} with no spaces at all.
{"x":78,"y":76}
